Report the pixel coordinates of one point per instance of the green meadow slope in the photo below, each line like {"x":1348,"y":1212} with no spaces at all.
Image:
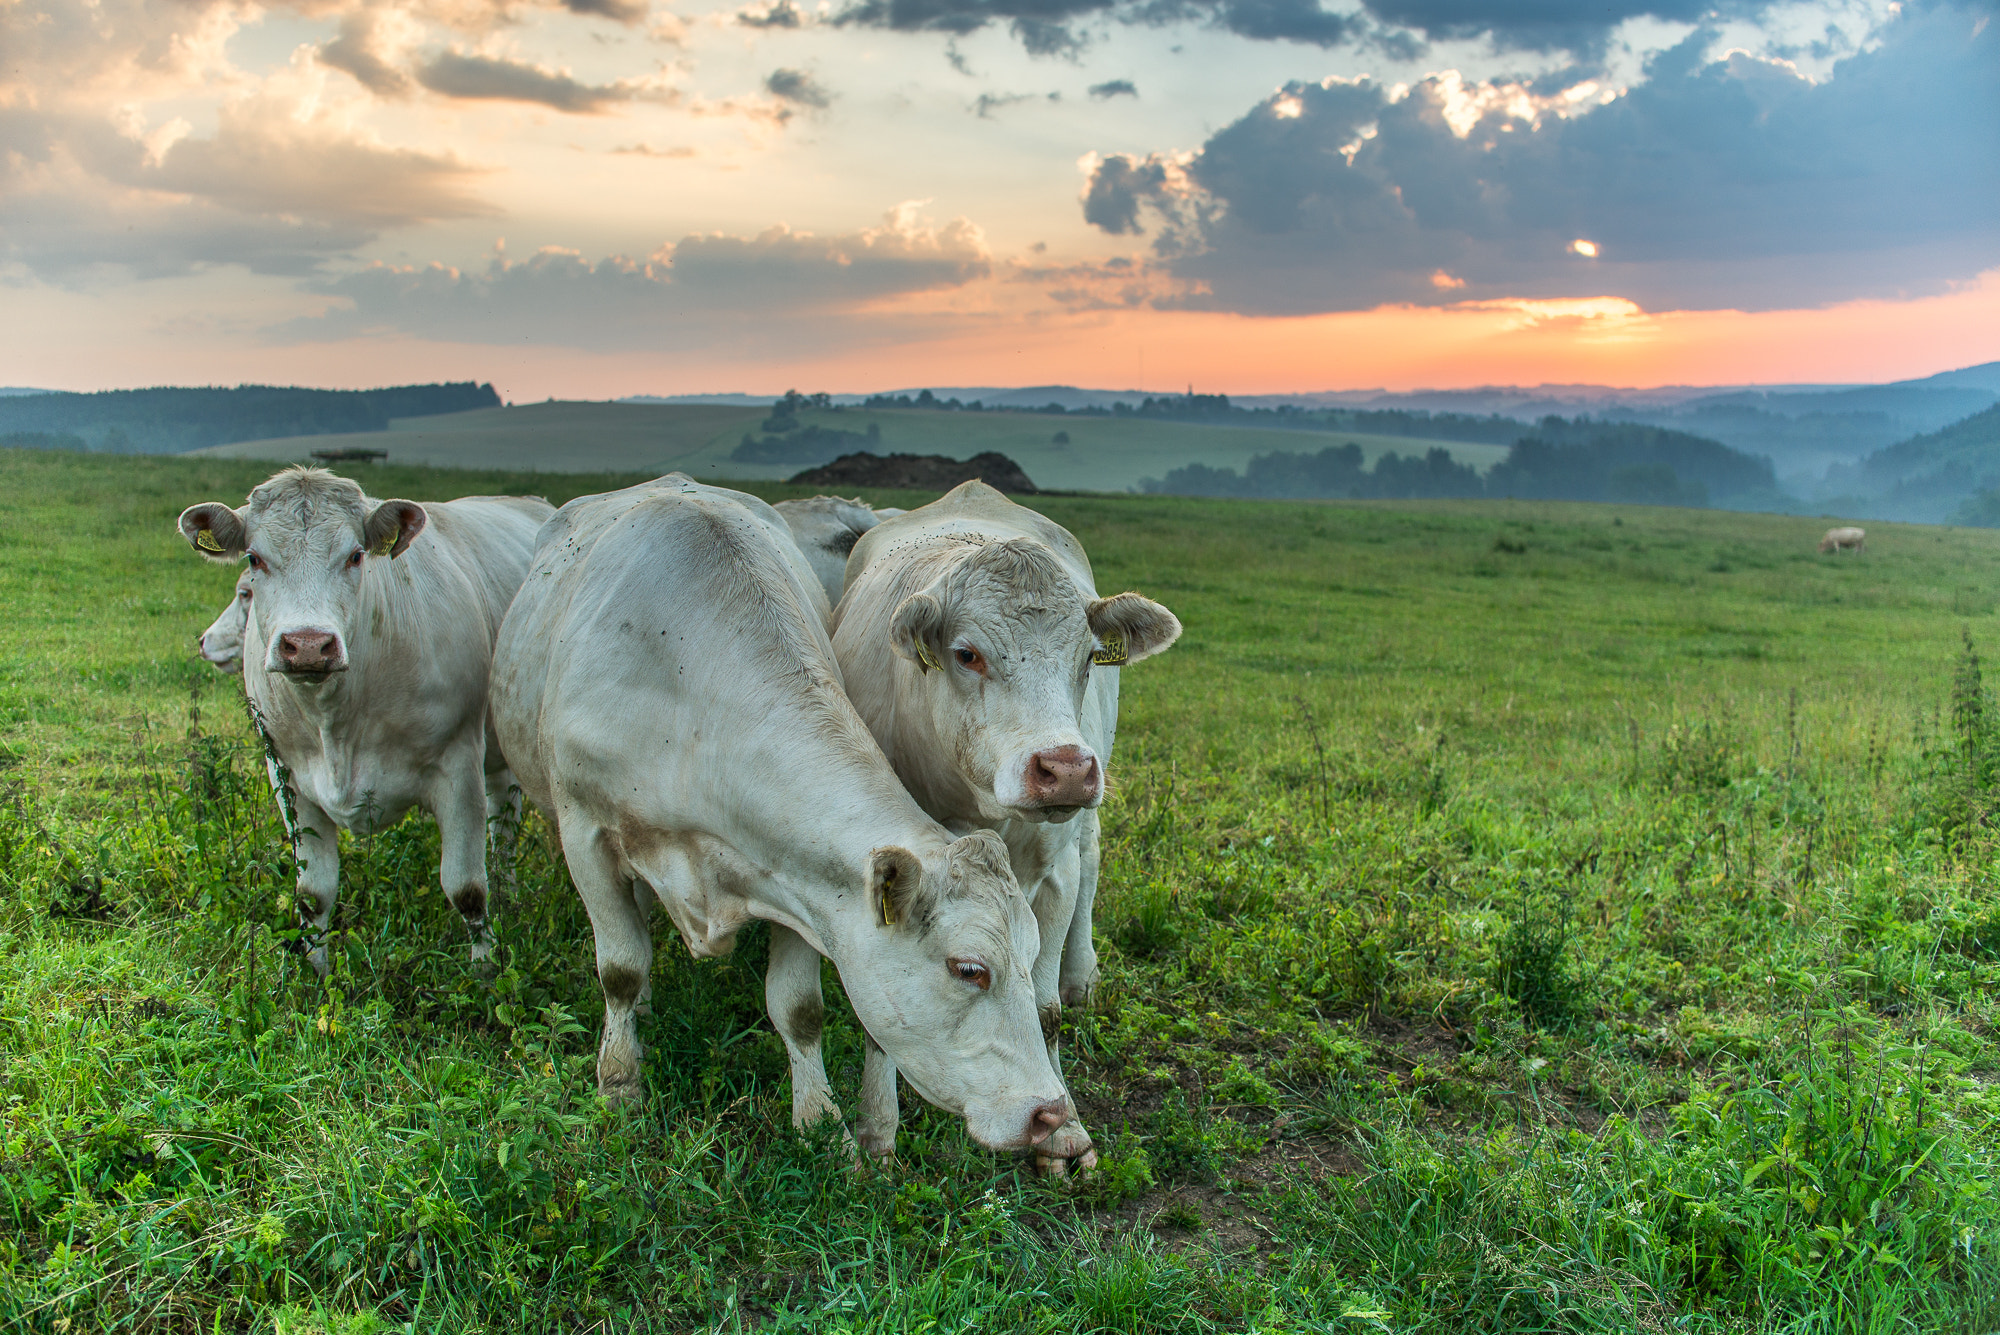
{"x":1516,"y":917}
{"x":1102,"y":453}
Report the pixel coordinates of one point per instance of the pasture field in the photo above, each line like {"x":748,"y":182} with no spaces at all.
{"x":1102,"y":453}
{"x":1516,"y":917}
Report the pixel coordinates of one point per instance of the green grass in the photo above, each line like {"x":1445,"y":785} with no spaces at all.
{"x":1516,"y":917}
{"x":1102,"y":454}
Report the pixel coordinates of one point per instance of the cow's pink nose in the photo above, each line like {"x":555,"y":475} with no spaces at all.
{"x":1048,"y":1118}
{"x":309,"y":650}
{"x":1064,"y":776}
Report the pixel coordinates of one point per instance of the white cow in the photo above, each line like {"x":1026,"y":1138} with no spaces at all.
{"x":1843,"y":540}
{"x":825,"y":528}
{"x":368,"y":639}
{"x":982,"y":659}
{"x":666,"y":690}
{"x":222,"y":643}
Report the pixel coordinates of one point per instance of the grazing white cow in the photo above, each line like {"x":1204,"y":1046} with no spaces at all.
{"x":825,"y":528}
{"x":222,"y":643}
{"x":1843,"y":540}
{"x":666,"y":690}
{"x":979,"y":654}
{"x":368,"y":637}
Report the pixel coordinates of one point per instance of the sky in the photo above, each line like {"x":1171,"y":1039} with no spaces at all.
{"x":592,"y":198}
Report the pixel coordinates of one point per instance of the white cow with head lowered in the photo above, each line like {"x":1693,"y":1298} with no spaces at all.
{"x":977,"y":650}
{"x":666,"y":691}
{"x":367,"y":642}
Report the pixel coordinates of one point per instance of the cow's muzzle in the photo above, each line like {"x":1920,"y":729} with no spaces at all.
{"x":311,"y":653}
{"x":1063,"y":776}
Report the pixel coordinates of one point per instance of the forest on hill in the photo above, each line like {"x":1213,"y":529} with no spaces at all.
{"x":173,"y":420}
{"x":1557,"y":459}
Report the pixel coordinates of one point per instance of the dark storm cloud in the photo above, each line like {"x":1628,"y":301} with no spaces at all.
{"x":1724,"y":183}
{"x":1398,"y":27}
{"x":798,"y":88}
{"x":476,"y":77}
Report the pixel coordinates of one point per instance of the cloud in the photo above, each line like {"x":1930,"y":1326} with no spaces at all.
{"x":627,"y":12}
{"x":1113,"y":88}
{"x":687,"y":294}
{"x":798,"y":88}
{"x":780,"y":14}
{"x":357,"y":51}
{"x":476,"y":77}
{"x":1580,"y":26}
{"x":1713,"y":183}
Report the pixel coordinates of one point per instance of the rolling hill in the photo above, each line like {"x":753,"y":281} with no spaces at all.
{"x":1100,"y":454}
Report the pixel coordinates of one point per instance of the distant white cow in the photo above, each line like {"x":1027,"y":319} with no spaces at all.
{"x":222,"y":643}
{"x":666,"y":690}
{"x":825,"y":528}
{"x":1843,"y":540}
{"x":368,"y":638}
{"x":976,"y":648}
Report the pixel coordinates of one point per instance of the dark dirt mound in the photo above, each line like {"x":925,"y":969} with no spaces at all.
{"x":919,"y":472}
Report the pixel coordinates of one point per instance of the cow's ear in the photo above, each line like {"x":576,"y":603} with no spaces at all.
{"x":895,"y":885}
{"x":392,"y":526}
{"x":917,"y":630}
{"x":214,"y":530}
{"x":1130,"y":628}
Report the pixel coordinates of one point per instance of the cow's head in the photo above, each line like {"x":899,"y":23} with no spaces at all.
{"x":222,"y":643}
{"x":309,"y":538}
{"x":1005,"y":641}
{"x":939,"y":979}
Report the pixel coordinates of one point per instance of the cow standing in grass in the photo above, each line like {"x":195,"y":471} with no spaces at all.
{"x":222,"y":643}
{"x":367,"y":642}
{"x":1843,"y":540}
{"x":666,"y":690}
{"x":979,"y":654}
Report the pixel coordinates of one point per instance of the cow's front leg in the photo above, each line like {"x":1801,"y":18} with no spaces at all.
{"x":624,"y":959}
{"x":1079,"y":954}
{"x":459,"y":804}
{"x":875,"y":1132}
{"x":1068,"y":1146}
{"x":316,"y":844}
{"x":798,"y":1010}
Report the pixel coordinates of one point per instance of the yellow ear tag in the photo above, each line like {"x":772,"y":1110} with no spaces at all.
{"x":206,"y":541}
{"x":924,"y":659}
{"x":1113,"y":653}
{"x":387,"y":545}
{"x":888,"y":884}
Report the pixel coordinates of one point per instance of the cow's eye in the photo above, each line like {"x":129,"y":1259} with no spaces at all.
{"x":970,"y":659}
{"x":354,"y":558}
{"x":244,"y":594}
{"x":256,"y":561}
{"x":969,"y":970}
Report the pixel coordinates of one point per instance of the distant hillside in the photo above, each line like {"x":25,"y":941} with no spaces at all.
{"x":1931,"y":477}
{"x":1558,"y":459}
{"x":1066,"y":453}
{"x":171,"y":421}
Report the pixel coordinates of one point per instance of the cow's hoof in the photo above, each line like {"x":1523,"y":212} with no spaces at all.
{"x":871,"y":1147}
{"x":1078,"y":994}
{"x":482,"y":952}
{"x":620,"y":1092}
{"x":316,"y":956}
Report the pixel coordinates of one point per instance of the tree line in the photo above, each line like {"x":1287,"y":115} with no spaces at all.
{"x":171,"y":420}
{"x":1577,"y":460}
